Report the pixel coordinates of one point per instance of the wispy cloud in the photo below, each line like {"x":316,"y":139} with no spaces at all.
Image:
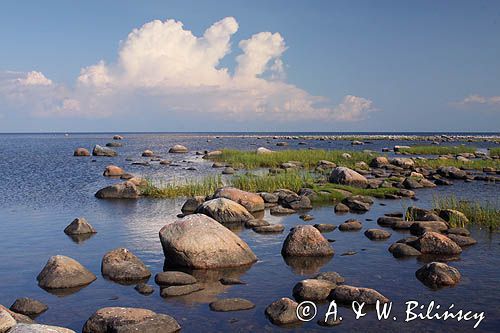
{"x":166,"y":67}
{"x":480,"y":100}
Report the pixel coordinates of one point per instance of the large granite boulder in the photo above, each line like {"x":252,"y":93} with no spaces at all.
{"x":103,"y":151}
{"x":224,"y":211}
{"x":251,"y":201}
{"x":346,"y":176}
{"x":121,"y":265}
{"x":306,"y":241}
{"x":437,"y":274}
{"x":435,"y":243}
{"x":198,"y":241}
{"x":125,"y":190}
{"x":64,"y":272}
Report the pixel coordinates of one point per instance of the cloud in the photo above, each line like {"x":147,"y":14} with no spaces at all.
{"x":163,"y":68}
{"x":480,"y":100}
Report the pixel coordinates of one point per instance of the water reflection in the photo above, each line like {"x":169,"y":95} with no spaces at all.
{"x":306,"y":265}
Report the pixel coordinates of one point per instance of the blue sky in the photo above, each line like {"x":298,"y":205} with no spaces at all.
{"x":329,"y":66}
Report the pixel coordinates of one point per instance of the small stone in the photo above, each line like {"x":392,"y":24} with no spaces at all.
{"x":256,"y":223}
{"x":180,"y":290}
{"x":306,"y":217}
{"x":350,"y":225}
{"x":349,"y":294}
{"x":330,"y":276}
{"x":174,"y":278}
{"x":377,"y":234}
{"x":29,"y":307}
{"x":79,"y":226}
{"x":313,"y":290}
{"x":272,"y":228}
{"x":282,"y":312}
{"x":399,"y":250}
{"x":227,"y":281}
{"x":231,"y":304}
{"x":279,"y":210}
{"x":323,"y":227}
{"x":144,"y":289}
{"x":341,"y":208}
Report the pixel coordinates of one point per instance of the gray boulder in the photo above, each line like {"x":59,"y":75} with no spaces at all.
{"x":64,"y":272}
{"x":121,"y":265}
{"x":224,"y":211}
{"x":346,"y":176}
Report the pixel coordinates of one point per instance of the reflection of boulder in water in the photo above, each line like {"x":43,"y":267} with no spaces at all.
{"x":258,"y":215}
{"x":306,"y":265}
{"x":209,"y":280}
{"x":63,"y":292}
{"x":428,"y":258}
{"x":80,"y":238}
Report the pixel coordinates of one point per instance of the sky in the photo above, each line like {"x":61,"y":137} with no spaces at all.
{"x":271,"y":65}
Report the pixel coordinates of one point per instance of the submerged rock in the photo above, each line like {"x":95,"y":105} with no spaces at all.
{"x":121,"y":265}
{"x":144,"y":289}
{"x":280,"y":210}
{"x":231,"y":304}
{"x":331,"y":276}
{"x":437,"y":274}
{"x":128,"y":320}
{"x":174,"y":291}
{"x":64,"y":272}
{"x":306,"y":241}
{"x":282,"y":312}
{"x":462,"y":241}
{"x":198,"y":241}
{"x":79,"y":226}
{"x":224,"y":211}
{"x":272,"y":228}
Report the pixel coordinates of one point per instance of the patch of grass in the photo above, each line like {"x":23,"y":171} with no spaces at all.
{"x":495,"y":151}
{"x":308,"y":158}
{"x":484,"y":215}
{"x":190,"y":188}
{"x":336,"y":191}
{"x":476,"y":164}
{"x":269,"y":183}
{"x":437,"y":150}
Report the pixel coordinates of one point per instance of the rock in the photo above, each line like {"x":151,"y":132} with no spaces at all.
{"x":117,"y":137}
{"x":458,"y":231}
{"x":434,"y":243}
{"x":228,"y":281}
{"x":269,"y":197}
{"x":306,"y":217}
{"x":19,"y":318}
{"x":174,"y":278}
{"x":350,"y":225}
{"x":198,"y":241}
{"x":400,"y":148}
{"x":251,"y":201}
{"x":279,"y":210}
{"x":326,"y":164}
{"x":377,"y":234}
{"x":144,"y":289}
{"x":113,"y":171}
{"x":192,"y":204}
{"x":37,"y":328}
{"x":379,"y":162}
{"x":349,"y":294}
{"x":231,"y":304}
{"x":273,"y":228}
{"x":282,"y":144}
{"x":121,"y":265}
{"x":346,"y":156}
{"x":306,"y":241}
{"x":224,"y":211}
{"x":228,"y":171}
{"x":420,"y":227}
{"x":114,"y":144}
{"x":324,"y":227}
{"x":296,"y":202}
{"x":451,"y":172}
{"x":329,"y":321}
{"x":262,"y":150}
{"x":441,"y":181}
{"x":148,"y":153}
{"x":165,"y":162}
{"x":403,"y":193}
{"x":411,"y":183}
{"x":313,"y":290}
{"x":6,"y":321}
{"x":128,"y":320}
{"x":178,"y":149}
{"x":399,"y":250}
{"x":256,"y":223}
{"x":358,"y":203}
{"x":187,"y":289}
{"x":341,"y":208}
{"x":282,"y":312}
{"x":64,"y":272}
{"x":346,"y":176}
{"x":437,"y":274}
{"x":405,"y":163}
{"x":462,"y":241}
{"x":103,"y":151}
{"x":402,"y":225}
{"x":419,"y":214}
{"x":330,"y":276}
{"x":453,"y":216}
{"x":388,"y":221}
{"x":81,"y":152}
{"x":126,"y":190}
{"x":28,"y":306}
{"x":79,"y":226}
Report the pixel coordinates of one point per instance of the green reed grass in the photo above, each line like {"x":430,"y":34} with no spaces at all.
{"x":495,"y":152}
{"x":437,"y":150}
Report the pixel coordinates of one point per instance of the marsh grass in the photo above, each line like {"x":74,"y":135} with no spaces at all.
{"x":437,"y":150}
{"x":308,"y":158}
{"x":476,"y":164}
{"x":494,"y":152}
{"x":269,"y":183}
{"x":186,"y":188}
{"x":485,"y":215}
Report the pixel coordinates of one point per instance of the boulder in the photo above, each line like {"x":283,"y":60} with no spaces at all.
{"x":349,"y":294}
{"x":231,"y":304}
{"x":296,"y":202}
{"x":121,"y":265}
{"x":451,"y":172}
{"x":262,"y":150}
{"x":228,"y":171}
{"x":178,"y":149}
{"x":37,"y":328}
{"x":126,"y":190}
{"x":313,"y":290}
{"x":420,"y":227}
{"x":435,"y":243}
{"x":346,"y":176}
{"x":117,"y":137}
{"x":405,"y":163}
{"x":174,"y":291}
{"x":280,"y":210}
{"x":198,"y":241}
{"x":325,"y":227}
{"x":453,"y":216}
{"x":458,"y":231}
{"x":419,"y":214}
{"x":128,"y":320}
{"x":114,"y":144}
{"x":358,"y":203}
{"x":256,"y":223}
{"x":341,"y":208}
{"x":103,"y":151}
{"x":113,"y":171}
{"x":462,"y":241}
{"x":251,"y":201}
{"x":79,"y":226}
{"x":377,"y":234}
{"x":437,"y":274}
{"x":306,"y":241}
{"x":269,"y":197}
{"x":6,"y":321}
{"x":306,"y":217}
{"x":19,"y":318}
{"x":81,"y":152}
{"x":379,"y":162}
{"x":192,"y":204}
{"x":272,"y":228}
{"x":144,"y":289}
{"x":224,"y":211}
{"x":174,"y":278}
{"x":399,"y":250}
{"x":350,"y":225}
{"x":28,"y":306}
{"x":64,"y":272}
{"x":283,"y":312}
{"x":331,"y":276}
{"x":388,"y":221}
{"x":148,"y":153}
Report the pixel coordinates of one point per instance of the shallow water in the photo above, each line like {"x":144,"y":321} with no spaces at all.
{"x":44,"y":188}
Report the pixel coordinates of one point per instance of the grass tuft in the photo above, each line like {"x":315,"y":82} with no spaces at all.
{"x":437,"y":150}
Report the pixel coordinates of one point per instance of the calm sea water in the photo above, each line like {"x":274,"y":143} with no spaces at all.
{"x":44,"y":188}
